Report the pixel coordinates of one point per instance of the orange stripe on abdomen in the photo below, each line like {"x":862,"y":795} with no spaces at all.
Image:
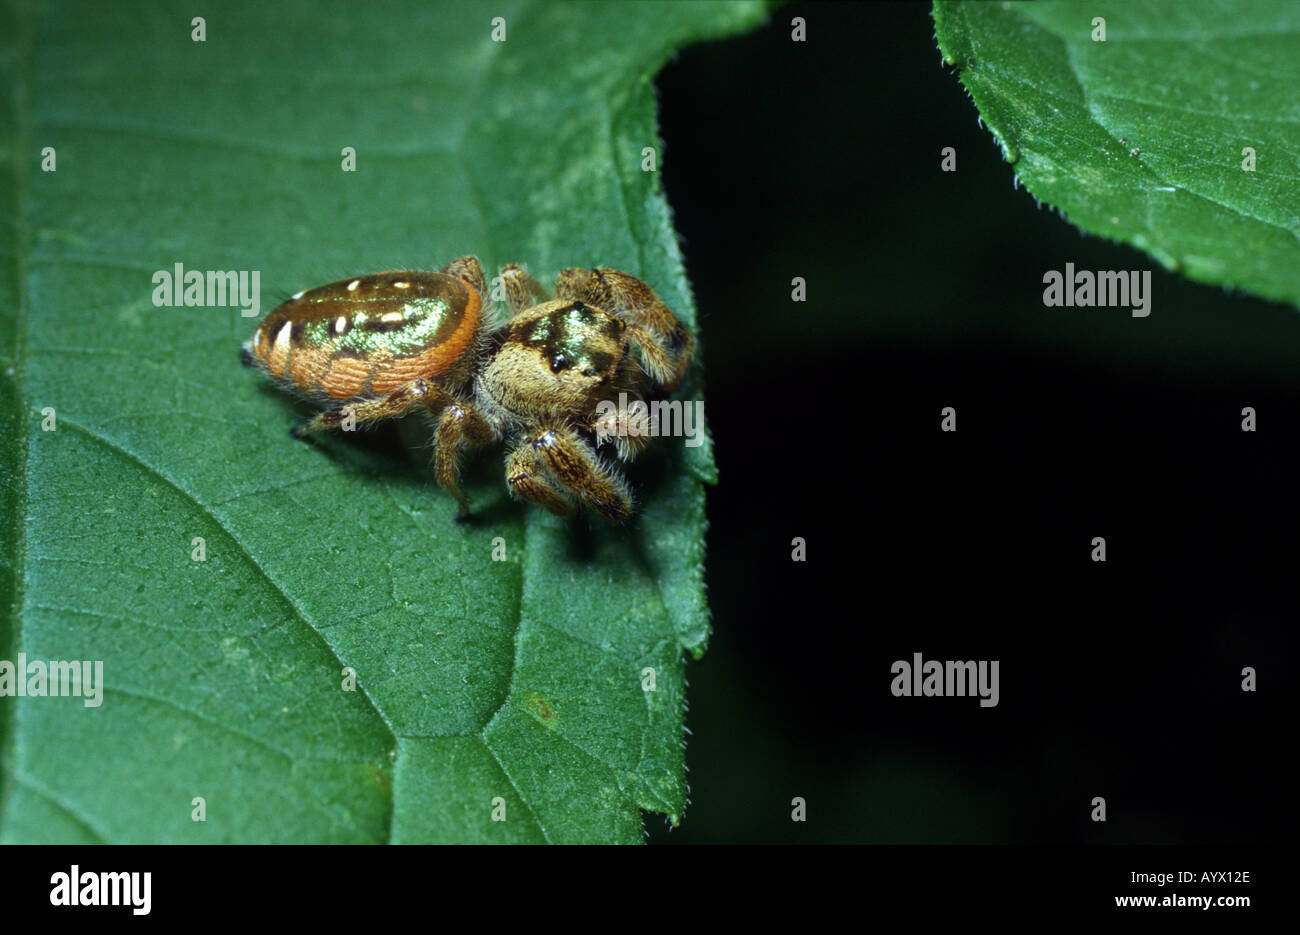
{"x":346,"y":377}
{"x":434,"y":360}
{"x":308,"y":367}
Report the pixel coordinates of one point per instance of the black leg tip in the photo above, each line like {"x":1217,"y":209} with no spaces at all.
{"x":298,"y":431}
{"x":245,"y":357}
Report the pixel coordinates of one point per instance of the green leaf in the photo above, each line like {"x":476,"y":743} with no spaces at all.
{"x":517,"y":680}
{"x":1187,"y":85}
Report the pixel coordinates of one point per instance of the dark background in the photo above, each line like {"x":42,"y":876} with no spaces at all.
{"x":821,"y":160}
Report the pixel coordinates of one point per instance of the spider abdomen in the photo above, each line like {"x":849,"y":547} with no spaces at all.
{"x":368,"y":336}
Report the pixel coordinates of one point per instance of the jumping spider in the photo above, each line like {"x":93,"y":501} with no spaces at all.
{"x":376,"y":347}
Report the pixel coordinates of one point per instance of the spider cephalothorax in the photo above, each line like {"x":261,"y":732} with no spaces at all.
{"x":547,"y":382}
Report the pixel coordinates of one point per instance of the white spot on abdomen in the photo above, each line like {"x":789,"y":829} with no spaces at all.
{"x":282,"y":339}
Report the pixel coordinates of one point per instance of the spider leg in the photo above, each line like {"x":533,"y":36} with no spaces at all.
{"x":576,"y":468}
{"x":666,"y":344}
{"x":526,"y":475}
{"x":471,"y":270}
{"x":522,"y":290}
{"x":397,"y":403}
{"x":629,"y":432}
{"x":457,"y":424}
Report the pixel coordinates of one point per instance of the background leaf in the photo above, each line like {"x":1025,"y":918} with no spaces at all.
{"x":518,"y":679}
{"x":1189,"y":85}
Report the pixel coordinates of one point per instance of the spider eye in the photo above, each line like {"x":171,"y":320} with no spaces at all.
{"x":589,"y":372}
{"x":560,"y":362}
